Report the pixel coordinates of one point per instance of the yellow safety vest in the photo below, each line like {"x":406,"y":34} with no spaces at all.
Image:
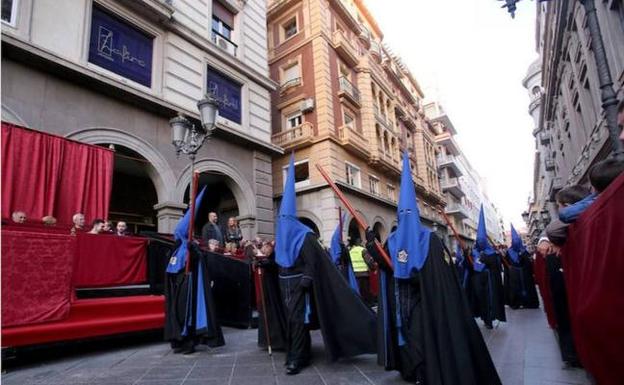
{"x":357,"y":259}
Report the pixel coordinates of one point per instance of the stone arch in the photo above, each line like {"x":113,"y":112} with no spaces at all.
{"x":312,"y":217}
{"x":158,"y":168}
{"x":379,"y":225}
{"x":235,"y":181}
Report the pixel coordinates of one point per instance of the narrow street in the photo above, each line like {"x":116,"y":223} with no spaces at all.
{"x":524,"y":351}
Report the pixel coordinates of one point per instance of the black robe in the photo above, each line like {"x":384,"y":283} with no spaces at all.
{"x":347,"y":325}
{"x":559,"y":296}
{"x":176,"y":298}
{"x":275,"y":312}
{"x":443,"y":344}
{"x":488,"y":289}
{"x":464,"y":274}
{"x":519,"y":283}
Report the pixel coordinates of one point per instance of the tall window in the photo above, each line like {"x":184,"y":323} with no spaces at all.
{"x":373,"y":184}
{"x":348,"y":119}
{"x":290,"y":28}
{"x":302,"y":173}
{"x":291,"y":76}
{"x":353,"y":175}
{"x":294,"y":120}
{"x":391,"y":192}
{"x":9,"y":8}
{"x":222,"y":27}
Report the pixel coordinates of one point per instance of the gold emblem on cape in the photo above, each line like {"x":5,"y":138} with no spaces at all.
{"x":402,"y":257}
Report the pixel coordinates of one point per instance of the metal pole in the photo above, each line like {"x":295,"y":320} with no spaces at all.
{"x":192,"y":188}
{"x":607,"y":93}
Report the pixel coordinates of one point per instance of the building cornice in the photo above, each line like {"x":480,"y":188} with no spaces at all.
{"x":46,"y":61}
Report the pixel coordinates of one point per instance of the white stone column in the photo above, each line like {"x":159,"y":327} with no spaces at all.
{"x":247,"y":225}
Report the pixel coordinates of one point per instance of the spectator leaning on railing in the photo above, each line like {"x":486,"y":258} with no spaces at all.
{"x":18,"y":217}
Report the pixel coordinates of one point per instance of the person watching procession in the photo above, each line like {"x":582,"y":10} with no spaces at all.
{"x":121,"y":229}
{"x":233,"y":233}
{"x":19,"y":217}
{"x":108,"y":227}
{"x":48,"y":220}
{"x":79,"y":221}
{"x":211,"y":230}
{"x":98,"y":227}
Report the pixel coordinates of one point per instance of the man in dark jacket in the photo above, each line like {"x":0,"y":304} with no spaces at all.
{"x":211,"y":230}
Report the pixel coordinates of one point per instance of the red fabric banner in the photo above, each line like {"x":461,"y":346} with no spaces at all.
{"x":593,"y":260}
{"x":43,"y":174}
{"x":36,"y":277}
{"x":109,"y":260}
{"x":541,"y":278}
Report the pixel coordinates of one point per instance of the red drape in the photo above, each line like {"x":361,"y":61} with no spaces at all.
{"x":43,"y":174}
{"x":593,"y":260}
{"x":541,"y":278}
{"x":109,"y":260}
{"x":36,"y":276}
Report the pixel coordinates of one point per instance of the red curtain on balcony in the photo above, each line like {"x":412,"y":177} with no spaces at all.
{"x":43,"y":174}
{"x":593,"y":266}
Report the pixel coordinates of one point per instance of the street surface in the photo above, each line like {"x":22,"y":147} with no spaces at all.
{"x":523,"y":349}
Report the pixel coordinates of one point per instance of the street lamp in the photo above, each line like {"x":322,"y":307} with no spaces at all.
{"x":607,"y":93}
{"x":188,"y":139}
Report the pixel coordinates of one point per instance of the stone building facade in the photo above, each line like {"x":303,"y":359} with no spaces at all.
{"x":344,"y":101}
{"x":113,"y":72}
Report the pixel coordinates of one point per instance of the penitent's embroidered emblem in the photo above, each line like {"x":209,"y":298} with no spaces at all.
{"x":172,"y":260}
{"x":402,"y":256}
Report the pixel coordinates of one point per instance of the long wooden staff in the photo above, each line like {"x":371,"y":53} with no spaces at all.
{"x":456,"y":234}
{"x":264,"y":311}
{"x":502,"y":256}
{"x":354,"y":213}
{"x":193,"y":193}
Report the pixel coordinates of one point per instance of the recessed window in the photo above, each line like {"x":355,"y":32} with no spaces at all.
{"x":294,"y":120}
{"x":291,"y":76}
{"x":352,"y":174}
{"x":348,"y":119}
{"x":290,"y":28}
{"x":222,"y":27}
{"x":302,"y":173}
{"x":373,"y":182}
{"x":9,"y":9}
{"x":391,"y":192}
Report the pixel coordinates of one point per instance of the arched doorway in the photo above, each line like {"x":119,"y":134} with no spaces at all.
{"x":218,"y":198}
{"x":379,"y":230}
{"x":133,"y":195}
{"x":354,"y":232}
{"x":310,"y":223}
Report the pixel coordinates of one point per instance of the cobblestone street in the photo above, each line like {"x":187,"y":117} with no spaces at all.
{"x":524,"y":351}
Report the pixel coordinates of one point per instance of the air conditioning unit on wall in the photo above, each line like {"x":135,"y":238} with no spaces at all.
{"x":307,"y":105}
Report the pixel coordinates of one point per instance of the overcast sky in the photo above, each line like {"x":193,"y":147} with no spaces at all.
{"x":471,"y":56}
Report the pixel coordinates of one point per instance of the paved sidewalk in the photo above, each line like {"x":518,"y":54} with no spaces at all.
{"x":523,"y":349}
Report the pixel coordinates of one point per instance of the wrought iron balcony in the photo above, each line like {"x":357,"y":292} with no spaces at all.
{"x":349,"y":91}
{"x":549,"y":164}
{"x":224,"y":43}
{"x":544,"y":138}
{"x":289,"y":84}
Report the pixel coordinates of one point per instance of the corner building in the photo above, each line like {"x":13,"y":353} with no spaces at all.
{"x":113,"y":72}
{"x":344,"y":101}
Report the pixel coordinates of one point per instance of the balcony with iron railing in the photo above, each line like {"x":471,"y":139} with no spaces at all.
{"x":353,"y":140}
{"x":375,"y":50}
{"x":288,"y":84}
{"x":544,"y":137}
{"x":449,"y":161}
{"x":453,"y":186}
{"x":365,"y":35}
{"x":344,"y":48}
{"x":384,"y":158}
{"x":348,"y":91}
{"x":294,"y":137}
{"x":549,"y":164}
{"x":224,"y":43}
{"x":381,"y":118}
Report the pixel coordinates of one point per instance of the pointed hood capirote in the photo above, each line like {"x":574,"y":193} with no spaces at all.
{"x":517,"y":246}
{"x":482,"y":244}
{"x":290,"y":233}
{"x":409,"y":244}
{"x":180,"y":233}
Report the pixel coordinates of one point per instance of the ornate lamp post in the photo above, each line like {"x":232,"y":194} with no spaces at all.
{"x":188,"y":139}
{"x":607,"y":93}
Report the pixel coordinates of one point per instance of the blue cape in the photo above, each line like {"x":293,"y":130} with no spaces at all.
{"x":409,"y":244}
{"x":290,"y":233}
{"x":477,"y":265}
{"x":178,"y":259}
{"x":517,"y":247}
{"x":482,"y":244}
{"x":336,"y":242}
{"x":459,"y":258}
{"x":571,"y":213}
